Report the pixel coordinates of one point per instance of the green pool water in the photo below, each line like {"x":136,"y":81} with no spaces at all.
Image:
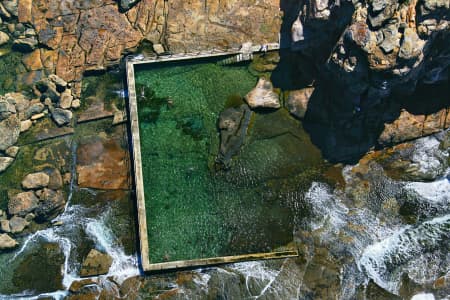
{"x":195,"y":210}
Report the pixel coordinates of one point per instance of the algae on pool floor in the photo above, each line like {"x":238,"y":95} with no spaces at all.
{"x":194,"y":211}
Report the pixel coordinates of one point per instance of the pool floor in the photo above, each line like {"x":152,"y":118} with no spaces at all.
{"x":194,"y":209}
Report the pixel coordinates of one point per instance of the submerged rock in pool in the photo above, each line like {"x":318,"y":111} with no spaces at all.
{"x":193,"y":126}
{"x":233,"y":124}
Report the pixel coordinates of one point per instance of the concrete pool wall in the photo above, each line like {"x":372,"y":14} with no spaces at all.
{"x":137,"y":161}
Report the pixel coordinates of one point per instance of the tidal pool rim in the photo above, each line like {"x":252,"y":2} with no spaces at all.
{"x":139,"y":183}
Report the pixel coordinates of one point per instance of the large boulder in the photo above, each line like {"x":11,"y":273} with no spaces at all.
{"x":51,"y":204}
{"x":4,"y":38}
{"x":5,"y":162}
{"x":60,"y":83}
{"x":20,"y":102}
{"x":34,"y":109}
{"x":33,"y":61}
{"x":4,"y":226}
{"x":56,"y":180}
{"x":6,"y":242}
{"x":412,"y":45}
{"x":409,"y":126}
{"x":96,"y":263}
{"x":12,"y":151}
{"x":66,"y":99}
{"x":9,"y":132}
{"x":233,"y":124}
{"x":6,"y":109}
{"x":263,"y":95}
{"x":35,"y":181}
{"x":46,"y":259}
{"x":17,"y":224}
{"x":297,"y":102}
{"x":22,"y":203}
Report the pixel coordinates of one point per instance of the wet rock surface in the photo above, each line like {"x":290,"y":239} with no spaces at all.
{"x":5,"y":162}
{"x":102,"y":164}
{"x":9,"y":132}
{"x":96,"y":263}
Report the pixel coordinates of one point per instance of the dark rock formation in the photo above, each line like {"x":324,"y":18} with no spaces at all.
{"x":372,"y":65}
{"x":233,"y":124}
{"x":51,"y":204}
{"x":127,"y":4}
{"x":263,"y":95}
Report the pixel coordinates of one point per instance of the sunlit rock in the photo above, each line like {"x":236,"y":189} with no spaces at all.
{"x":22,"y":203}
{"x":35,"y":181}
{"x":5,"y":162}
{"x":6,"y":242}
{"x":263,"y":95}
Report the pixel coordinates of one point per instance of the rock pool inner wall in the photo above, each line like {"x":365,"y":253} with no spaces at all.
{"x":194,"y":213}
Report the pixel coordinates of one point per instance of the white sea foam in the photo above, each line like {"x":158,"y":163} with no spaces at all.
{"x":423,"y":296}
{"x":379,"y":261}
{"x":329,"y":211}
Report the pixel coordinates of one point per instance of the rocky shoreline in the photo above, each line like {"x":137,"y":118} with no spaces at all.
{"x":357,"y":74}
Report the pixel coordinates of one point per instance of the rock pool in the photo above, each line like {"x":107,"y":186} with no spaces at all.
{"x":196,"y":209}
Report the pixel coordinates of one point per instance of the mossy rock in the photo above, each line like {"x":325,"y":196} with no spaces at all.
{"x":41,"y":271}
